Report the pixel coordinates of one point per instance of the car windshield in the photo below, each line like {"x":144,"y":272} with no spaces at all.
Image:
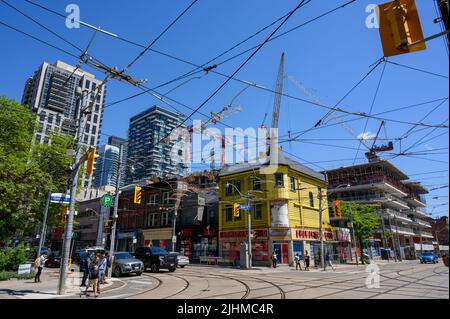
{"x":158,"y":251}
{"x":123,"y":256}
{"x":428,"y":254}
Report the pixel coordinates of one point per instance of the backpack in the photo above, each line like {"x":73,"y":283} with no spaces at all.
{"x":94,"y":271}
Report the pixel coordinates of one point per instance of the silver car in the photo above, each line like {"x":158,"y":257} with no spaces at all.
{"x":183,"y":261}
{"x":125,"y":263}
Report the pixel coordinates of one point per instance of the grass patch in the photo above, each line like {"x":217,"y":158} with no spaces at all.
{"x":7,"y":275}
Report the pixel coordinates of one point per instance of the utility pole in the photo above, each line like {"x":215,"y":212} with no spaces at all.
{"x":249,"y":222}
{"x":353,"y":233}
{"x":398,"y":239}
{"x":116,"y":208}
{"x":82,"y":102}
{"x":444,"y":6}
{"x":44,"y":224}
{"x":322,"y":257}
{"x":100,"y":228}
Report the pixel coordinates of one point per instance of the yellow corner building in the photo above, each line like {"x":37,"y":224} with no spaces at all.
{"x":284,"y":211}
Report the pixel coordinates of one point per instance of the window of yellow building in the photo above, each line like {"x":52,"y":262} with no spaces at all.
{"x":292,"y":183}
{"x":311,"y":199}
{"x":279,"y":180}
{"x":229,"y":214}
{"x":257,"y":212}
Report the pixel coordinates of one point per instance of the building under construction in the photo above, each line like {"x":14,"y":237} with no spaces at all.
{"x":401,"y":205}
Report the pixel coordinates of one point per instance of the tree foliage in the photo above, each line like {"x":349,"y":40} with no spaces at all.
{"x":365,"y":220}
{"x":28,"y":171}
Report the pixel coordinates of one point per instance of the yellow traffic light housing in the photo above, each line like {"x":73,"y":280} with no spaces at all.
{"x":91,"y":161}
{"x":236,"y":210}
{"x":337,"y":211}
{"x":137,"y":195}
{"x":400,"y":27}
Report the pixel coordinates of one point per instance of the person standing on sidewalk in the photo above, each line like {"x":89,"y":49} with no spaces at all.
{"x":39,"y":265}
{"x":101,"y":270}
{"x":307,"y":259}
{"x":108,"y":267}
{"x":328,"y":262}
{"x":274,"y":259}
{"x":86,"y":261}
{"x":297,"y":262}
{"x":93,"y":276}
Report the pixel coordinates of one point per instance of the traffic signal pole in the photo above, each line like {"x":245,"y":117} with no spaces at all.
{"x":82,"y":102}
{"x":44,"y":224}
{"x":249,"y":222}
{"x":116,"y":209}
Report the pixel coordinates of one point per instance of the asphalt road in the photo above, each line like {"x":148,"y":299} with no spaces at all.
{"x":405,"y":280}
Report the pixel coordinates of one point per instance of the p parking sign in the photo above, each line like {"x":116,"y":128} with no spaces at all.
{"x":106,"y":200}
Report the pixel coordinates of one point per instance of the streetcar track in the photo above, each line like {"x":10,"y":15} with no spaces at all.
{"x":148,"y":290}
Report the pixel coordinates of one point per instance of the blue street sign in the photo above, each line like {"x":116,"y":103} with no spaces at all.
{"x":244,"y":207}
{"x":59,"y":198}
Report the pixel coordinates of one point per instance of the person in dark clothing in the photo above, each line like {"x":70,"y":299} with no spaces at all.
{"x":39,"y":265}
{"x":85,"y":268}
{"x":307,"y":259}
{"x":274,"y":259}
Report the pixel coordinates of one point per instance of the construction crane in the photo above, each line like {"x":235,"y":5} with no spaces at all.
{"x":372,"y":153}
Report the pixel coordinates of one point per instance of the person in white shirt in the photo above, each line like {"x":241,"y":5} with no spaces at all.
{"x":39,"y":265}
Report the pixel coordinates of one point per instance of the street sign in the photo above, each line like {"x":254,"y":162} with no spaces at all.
{"x":244,"y":207}
{"x":59,"y":198}
{"x":24,"y":269}
{"x":106,"y":200}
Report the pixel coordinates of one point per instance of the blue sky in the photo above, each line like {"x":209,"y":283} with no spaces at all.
{"x":327,"y":56}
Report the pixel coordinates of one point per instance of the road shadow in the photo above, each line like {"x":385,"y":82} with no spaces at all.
{"x":12,"y":292}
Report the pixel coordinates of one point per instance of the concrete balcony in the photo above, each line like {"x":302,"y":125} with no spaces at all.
{"x":397,"y":215}
{"x":384,"y":184}
{"x":403,"y":230}
{"x":415,"y":201}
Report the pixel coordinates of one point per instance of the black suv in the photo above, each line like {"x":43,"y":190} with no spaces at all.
{"x":156,"y":258}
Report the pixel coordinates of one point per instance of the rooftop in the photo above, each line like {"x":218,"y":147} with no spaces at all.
{"x":381,"y":163}
{"x":282,"y":160}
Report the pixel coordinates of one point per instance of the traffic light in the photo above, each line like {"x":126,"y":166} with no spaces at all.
{"x":399,"y":27}
{"x":337,"y":211}
{"x":137,"y":195}
{"x":91,"y":161}
{"x":235,"y":210}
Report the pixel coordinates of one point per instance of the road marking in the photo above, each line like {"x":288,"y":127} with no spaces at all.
{"x":115,"y":297}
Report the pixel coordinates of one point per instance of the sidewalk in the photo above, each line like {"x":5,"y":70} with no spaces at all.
{"x":47,"y":288}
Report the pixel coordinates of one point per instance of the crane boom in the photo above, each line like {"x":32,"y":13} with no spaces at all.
{"x":278,"y":92}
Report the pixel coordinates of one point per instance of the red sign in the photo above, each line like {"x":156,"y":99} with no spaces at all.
{"x":259,"y":233}
{"x":309,"y":234}
{"x":186,"y":232}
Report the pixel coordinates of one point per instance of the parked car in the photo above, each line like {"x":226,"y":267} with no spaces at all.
{"x":80,"y":254}
{"x":182,"y":260}
{"x":125,"y":263}
{"x":428,"y":257}
{"x":156,"y":258}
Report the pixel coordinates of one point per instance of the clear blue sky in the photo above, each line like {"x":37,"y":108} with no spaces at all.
{"x":328,"y":56}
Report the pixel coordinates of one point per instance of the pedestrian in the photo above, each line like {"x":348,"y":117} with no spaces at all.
{"x":39,"y":264}
{"x":328,"y":262}
{"x":85,"y":262}
{"x":108,"y":267}
{"x":93,"y":277}
{"x":274,"y":259}
{"x":297,"y":262}
{"x":307,"y":259}
{"x":101,"y":269}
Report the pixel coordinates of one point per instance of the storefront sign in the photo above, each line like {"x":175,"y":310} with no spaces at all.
{"x":343,"y":234}
{"x":279,"y":214}
{"x":235,"y":234}
{"x":125,"y":235}
{"x":310,"y":234}
{"x":280,"y":234}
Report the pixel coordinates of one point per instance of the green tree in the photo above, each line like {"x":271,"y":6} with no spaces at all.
{"x":27,"y":170}
{"x":365,"y":221}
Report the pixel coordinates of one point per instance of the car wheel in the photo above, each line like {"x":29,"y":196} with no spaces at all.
{"x":154,"y":267}
{"x":117,"y":271}
{"x":172,"y":269}
{"x":138,"y":273}
{"x":183,"y":266}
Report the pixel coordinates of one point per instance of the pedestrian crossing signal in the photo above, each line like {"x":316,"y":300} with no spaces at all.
{"x":236,"y":210}
{"x":337,"y":211}
{"x":137,"y":195}
{"x":400,"y":27}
